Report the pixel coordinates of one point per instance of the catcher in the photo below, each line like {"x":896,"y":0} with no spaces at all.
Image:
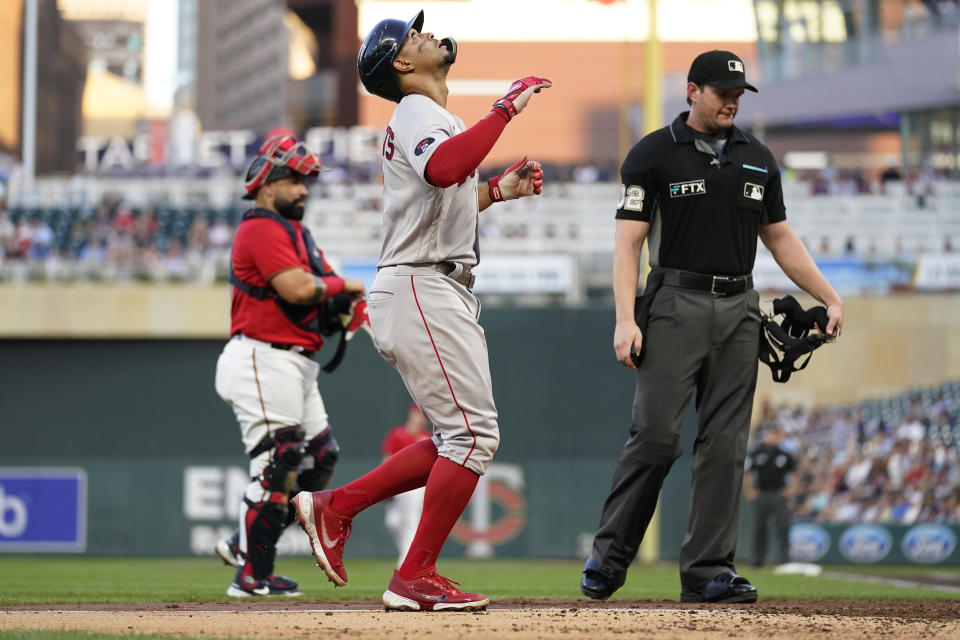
{"x":286,"y":299}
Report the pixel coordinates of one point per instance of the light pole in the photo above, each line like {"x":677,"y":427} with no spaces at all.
{"x":29,"y":116}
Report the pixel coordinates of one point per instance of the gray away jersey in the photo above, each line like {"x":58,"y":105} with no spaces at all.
{"x":423,"y":223}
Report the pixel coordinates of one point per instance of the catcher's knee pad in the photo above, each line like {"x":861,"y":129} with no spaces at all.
{"x":287,"y":453}
{"x":323,"y":451}
{"x":263,"y":523}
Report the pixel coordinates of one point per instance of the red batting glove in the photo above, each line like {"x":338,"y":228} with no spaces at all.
{"x":359,"y":320}
{"x":523,"y":170}
{"x":519,"y":94}
{"x":536,"y":172}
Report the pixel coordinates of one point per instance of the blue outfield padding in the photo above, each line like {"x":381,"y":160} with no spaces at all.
{"x":43,"y":509}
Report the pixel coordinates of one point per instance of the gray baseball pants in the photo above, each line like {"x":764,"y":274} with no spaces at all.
{"x":694,"y":341}
{"x":425,"y":325}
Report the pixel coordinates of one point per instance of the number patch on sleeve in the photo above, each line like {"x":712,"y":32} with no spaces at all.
{"x":631,"y":198}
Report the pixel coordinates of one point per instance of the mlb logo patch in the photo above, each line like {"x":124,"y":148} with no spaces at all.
{"x":735,"y":65}
{"x":753,"y":191}
{"x":422,"y":146}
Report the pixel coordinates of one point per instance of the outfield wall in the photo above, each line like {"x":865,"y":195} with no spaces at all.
{"x":162,"y":463}
{"x":890,"y":342}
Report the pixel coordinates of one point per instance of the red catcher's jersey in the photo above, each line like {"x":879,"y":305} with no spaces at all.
{"x":261,"y":249}
{"x":398,"y":437}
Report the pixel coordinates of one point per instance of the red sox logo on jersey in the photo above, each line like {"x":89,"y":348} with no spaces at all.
{"x":422,"y":146}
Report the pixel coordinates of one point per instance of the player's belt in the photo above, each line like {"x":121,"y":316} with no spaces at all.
{"x":717,"y":285}
{"x":296,"y":348}
{"x":457,"y":271}
{"x":306,"y":353}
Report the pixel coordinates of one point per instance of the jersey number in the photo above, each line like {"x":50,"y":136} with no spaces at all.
{"x":388,"y":144}
{"x":631,"y":198}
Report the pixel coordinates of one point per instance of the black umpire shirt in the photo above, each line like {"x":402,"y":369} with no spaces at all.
{"x":703,"y":210}
{"x":772,"y":465}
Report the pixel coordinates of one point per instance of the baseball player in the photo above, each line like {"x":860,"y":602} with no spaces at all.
{"x":283,"y":290}
{"x":422,"y":308}
{"x":403,"y":510}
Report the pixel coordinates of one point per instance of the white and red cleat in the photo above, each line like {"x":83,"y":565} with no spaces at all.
{"x":430,"y":592}
{"x":327,"y":530}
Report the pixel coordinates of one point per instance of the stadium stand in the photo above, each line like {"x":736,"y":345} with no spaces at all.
{"x":120,"y":236}
{"x":892,"y":459}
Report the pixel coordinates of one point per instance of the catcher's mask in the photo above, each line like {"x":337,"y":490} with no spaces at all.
{"x":783,"y":343}
{"x":280,"y":156}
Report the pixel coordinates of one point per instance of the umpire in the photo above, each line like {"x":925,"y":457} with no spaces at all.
{"x":773,"y":466}
{"x":700,"y":191}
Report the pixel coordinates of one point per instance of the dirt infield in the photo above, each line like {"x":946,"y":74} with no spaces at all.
{"x":514,"y":619}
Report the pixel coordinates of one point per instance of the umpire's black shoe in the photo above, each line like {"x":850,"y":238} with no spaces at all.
{"x":600,"y":582}
{"x":726,"y":587}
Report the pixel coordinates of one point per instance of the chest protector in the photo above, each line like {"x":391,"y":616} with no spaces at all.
{"x":324,"y":318}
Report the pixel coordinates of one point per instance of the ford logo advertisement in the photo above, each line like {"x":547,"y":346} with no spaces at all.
{"x":808,"y":542}
{"x":928,"y":543}
{"x":865,"y":543}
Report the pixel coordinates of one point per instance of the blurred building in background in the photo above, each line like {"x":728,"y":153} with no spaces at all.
{"x":241,"y":63}
{"x":114,"y":100}
{"x":264,"y":63}
{"x":859,"y":85}
{"x":61,"y":71}
{"x":594,"y":51}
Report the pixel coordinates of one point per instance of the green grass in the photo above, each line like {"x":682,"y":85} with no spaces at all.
{"x":39,"y":580}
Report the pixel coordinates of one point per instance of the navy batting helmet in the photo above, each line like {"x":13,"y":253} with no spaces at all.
{"x":375,"y":61}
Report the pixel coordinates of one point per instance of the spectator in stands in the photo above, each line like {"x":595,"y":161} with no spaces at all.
{"x":198,"y":237}
{"x":124,"y":220}
{"x":173,"y":263}
{"x":892,"y":172}
{"x":221,"y":235}
{"x":120,"y":246}
{"x":22,"y":239}
{"x":951,"y":507}
{"x":41,"y":239}
{"x":220,"y":239}
{"x":7,"y":232}
{"x":144,"y":229}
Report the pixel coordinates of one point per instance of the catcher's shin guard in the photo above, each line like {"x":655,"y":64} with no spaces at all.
{"x":264,"y":510}
{"x":324,"y":452}
{"x":263,"y":522}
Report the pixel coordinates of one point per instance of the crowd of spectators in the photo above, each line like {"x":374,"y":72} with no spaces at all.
{"x":113,"y":241}
{"x":920,"y":184}
{"x":892,"y":461}
{"x":116,"y":243}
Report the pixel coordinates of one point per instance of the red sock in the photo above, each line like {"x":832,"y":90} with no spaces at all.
{"x":407,"y":469}
{"x":449,"y":489}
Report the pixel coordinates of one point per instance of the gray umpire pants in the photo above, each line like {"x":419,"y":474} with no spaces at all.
{"x":694,"y":340}
{"x":771,"y":505}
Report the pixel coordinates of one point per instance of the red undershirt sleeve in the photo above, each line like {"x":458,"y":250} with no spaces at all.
{"x":457,"y":157}
{"x":334,"y":286}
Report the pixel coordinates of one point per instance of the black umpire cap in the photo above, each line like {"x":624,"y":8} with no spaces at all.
{"x":720,"y":69}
